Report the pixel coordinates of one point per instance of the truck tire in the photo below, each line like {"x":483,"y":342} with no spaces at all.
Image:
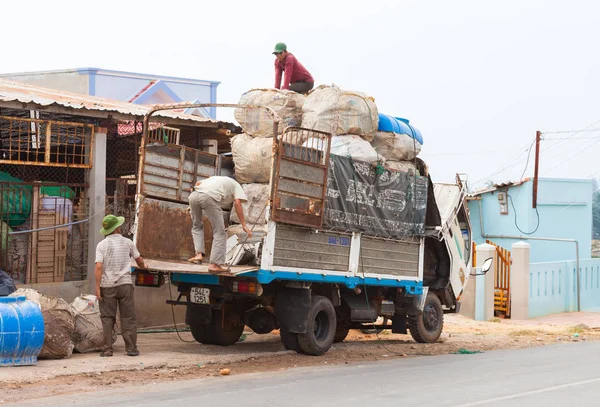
{"x":289,"y":340}
{"x":427,"y":327}
{"x":341,"y":332}
{"x":321,"y":327}
{"x":224,"y":336}
{"x":202,"y":333}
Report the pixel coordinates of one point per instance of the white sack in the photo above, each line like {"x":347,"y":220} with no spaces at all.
{"x":251,"y":158}
{"x":401,"y":166}
{"x":348,"y":146}
{"x":258,"y":122}
{"x":397,"y":147}
{"x":255,"y":211}
{"x":88,"y":335}
{"x":258,"y":232}
{"x":336,"y":111}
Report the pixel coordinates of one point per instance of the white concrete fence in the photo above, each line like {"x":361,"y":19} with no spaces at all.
{"x":536,"y":289}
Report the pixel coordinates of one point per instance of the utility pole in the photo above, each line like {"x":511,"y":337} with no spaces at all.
{"x":538,"y":138}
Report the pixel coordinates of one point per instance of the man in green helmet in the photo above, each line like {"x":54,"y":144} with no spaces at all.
{"x":114,"y":285}
{"x":297,"y":78}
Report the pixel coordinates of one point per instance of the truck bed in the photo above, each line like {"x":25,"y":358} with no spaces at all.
{"x":185,"y":267}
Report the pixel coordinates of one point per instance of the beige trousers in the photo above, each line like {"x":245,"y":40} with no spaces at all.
{"x":200,"y":203}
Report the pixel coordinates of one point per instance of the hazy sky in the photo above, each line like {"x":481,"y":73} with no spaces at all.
{"x":478,"y":78}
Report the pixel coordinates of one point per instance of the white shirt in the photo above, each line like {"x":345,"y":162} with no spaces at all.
{"x":115,"y":253}
{"x":224,"y":190}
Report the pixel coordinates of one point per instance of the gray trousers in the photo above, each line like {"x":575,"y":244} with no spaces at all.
{"x":121,"y":296}
{"x":201,"y":202}
{"x":301,"y":87}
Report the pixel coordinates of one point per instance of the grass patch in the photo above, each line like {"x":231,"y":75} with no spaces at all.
{"x":527,"y":332}
{"x":577,"y":329}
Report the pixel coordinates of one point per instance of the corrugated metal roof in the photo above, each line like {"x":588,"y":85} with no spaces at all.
{"x":502,"y":185}
{"x":11,"y":91}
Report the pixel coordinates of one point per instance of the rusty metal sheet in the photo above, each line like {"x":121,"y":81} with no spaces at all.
{"x":169,"y":171}
{"x":300,"y":177}
{"x":301,"y":171}
{"x":301,"y":188}
{"x":164,"y":231}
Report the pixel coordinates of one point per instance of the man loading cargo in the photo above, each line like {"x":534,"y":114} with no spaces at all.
{"x":297,"y":78}
{"x":212,"y":195}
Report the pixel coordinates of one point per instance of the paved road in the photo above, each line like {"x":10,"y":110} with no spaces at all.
{"x":566,"y":374}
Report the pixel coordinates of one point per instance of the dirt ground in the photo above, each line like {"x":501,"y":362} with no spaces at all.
{"x":167,"y":358}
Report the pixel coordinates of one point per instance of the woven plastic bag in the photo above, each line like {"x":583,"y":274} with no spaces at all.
{"x":258,"y":122}
{"x":337,"y":111}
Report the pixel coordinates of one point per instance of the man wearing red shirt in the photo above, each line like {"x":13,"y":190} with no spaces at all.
{"x":297,"y":78}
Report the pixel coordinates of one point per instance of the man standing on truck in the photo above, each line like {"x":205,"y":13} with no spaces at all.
{"x":297,"y":78}
{"x":212,"y":195}
{"x":114,"y":285}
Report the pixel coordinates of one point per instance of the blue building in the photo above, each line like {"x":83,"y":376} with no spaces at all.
{"x":564,"y":210}
{"x":126,"y":86}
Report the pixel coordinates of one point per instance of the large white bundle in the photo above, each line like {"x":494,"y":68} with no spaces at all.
{"x":348,"y":146}
{"x":258,"y":122}
{"x":255,"y":211}
{"x":401,"y":166}
{"x":88,"y":335}
{"x":258,"y":232}
{"x":333,"y":110}
{"x":252,"y":158}
{"x":397,"y":147}
{"x":59,"y":323}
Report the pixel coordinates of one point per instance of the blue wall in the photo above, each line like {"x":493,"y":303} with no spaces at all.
{"x":565,"y":209}
{"x":126,"y":85}
{"x":553,"y":287}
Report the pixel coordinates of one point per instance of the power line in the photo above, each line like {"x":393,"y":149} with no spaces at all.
{"x":528,"y":157}
{"x":473,"y":152}
{"x":571,"y":157}
{"x":572,"y":138}
{"x":508,"y":164}
{"x":570,"y":131}
{"x":573,"y":134}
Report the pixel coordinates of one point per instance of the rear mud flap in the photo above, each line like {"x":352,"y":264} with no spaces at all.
{"x":198,"y":314}
{"x":292,"y":308}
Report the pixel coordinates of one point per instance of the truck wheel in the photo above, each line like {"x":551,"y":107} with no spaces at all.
{"x":321,"y":327}
{"x":427,"y":327}
{"x":202,"y":333}
{"x":224,"y":335}
{"x":341,"y":332}
{"x":289,"y":340}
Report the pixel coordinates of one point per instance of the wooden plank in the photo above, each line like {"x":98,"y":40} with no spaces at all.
{"x":188,"y":268}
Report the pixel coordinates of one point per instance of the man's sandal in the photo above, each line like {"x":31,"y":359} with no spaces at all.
{"x":106,"y":353}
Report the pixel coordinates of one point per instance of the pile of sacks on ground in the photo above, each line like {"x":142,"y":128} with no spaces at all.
{"x":69,"y":328}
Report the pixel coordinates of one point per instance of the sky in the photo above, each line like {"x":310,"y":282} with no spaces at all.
{"x":477,"y":78}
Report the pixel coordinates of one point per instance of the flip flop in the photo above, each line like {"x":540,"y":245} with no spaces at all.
{"x":195,"y":260}
{"x":106,"y":353}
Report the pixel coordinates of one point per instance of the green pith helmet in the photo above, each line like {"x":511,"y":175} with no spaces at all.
{"x":280,"y":47}
{"x":110,"y":223}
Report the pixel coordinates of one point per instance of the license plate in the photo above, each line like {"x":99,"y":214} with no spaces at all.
{"x":200,"y":295}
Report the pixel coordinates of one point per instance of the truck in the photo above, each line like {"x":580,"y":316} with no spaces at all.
{"x":399,"y":250}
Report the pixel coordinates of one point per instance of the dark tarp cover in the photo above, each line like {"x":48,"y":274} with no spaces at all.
{"x":389,"y":205}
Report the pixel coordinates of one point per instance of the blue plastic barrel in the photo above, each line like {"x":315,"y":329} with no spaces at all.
{"x":21,"y":331}
{"x":398,"y":125}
